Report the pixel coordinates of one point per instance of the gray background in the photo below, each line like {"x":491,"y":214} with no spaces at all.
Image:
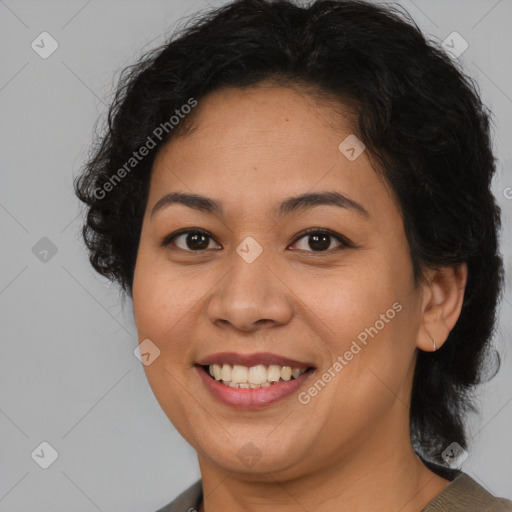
{"x":68,"y":375}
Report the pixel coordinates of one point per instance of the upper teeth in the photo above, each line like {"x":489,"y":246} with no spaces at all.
{"x":254,"y":376}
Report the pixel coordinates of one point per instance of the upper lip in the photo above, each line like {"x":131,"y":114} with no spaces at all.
{"x":264,"y":358}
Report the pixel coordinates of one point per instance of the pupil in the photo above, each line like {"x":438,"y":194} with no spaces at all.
{"x":320,"y":241}
{"x":197,"y":241}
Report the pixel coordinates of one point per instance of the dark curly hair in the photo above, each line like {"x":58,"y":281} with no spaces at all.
{"x":420,"y":117}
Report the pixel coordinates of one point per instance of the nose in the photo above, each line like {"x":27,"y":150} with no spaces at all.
{"x":250,"y":297}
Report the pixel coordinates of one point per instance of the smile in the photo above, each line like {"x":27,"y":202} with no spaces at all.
{"x":252,"y":381}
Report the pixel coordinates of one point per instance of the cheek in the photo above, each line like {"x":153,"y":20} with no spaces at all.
{"x":364,"y":315}
{"x":345,"y":301}
{"x":161,"y":308}
{"x":162,"y":315}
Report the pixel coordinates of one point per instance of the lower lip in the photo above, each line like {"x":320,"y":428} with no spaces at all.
{"x":252,"y":398}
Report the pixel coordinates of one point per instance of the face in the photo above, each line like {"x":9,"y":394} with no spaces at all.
{"x":242,"y":284}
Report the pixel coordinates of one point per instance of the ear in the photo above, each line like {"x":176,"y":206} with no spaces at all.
{"x":443,"y":294}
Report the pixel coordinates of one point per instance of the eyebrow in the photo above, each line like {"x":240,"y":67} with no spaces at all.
{"x":289,"y":205}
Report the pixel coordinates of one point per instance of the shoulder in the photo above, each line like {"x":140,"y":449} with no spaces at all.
{"x":466,"y":495}
{"x":187,"y":501}
{"x":462,"y":495}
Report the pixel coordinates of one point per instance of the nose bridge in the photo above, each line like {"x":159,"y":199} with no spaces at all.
{"x":250,"y":293}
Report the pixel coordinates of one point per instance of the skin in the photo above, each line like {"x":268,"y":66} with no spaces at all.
{"x":349,"y":448}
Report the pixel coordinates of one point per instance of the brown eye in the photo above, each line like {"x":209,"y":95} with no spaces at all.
{"x":189,"y":240}
{"x":315,"y":240}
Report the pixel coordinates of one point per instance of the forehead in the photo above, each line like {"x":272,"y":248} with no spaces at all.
{"x":267,"y":114}
{"x":250,"y":145}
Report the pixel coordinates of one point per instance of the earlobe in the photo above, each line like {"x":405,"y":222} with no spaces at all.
{"x":434,"y":342}
{"x":443,"y":297}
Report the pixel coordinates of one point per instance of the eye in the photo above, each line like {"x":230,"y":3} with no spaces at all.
{"x":192,"y":240}
{"x":315,"y":240}
{"x":320,"y":240}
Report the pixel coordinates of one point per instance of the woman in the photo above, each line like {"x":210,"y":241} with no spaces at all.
{"x":297,"y":199}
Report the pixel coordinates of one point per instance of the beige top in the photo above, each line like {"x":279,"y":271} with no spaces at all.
{"x":463,"y":494}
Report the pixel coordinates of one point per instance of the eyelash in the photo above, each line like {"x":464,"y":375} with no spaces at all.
{"x":344,"y":242}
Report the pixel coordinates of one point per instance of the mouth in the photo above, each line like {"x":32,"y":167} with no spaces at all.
{"x":252,"y":381}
